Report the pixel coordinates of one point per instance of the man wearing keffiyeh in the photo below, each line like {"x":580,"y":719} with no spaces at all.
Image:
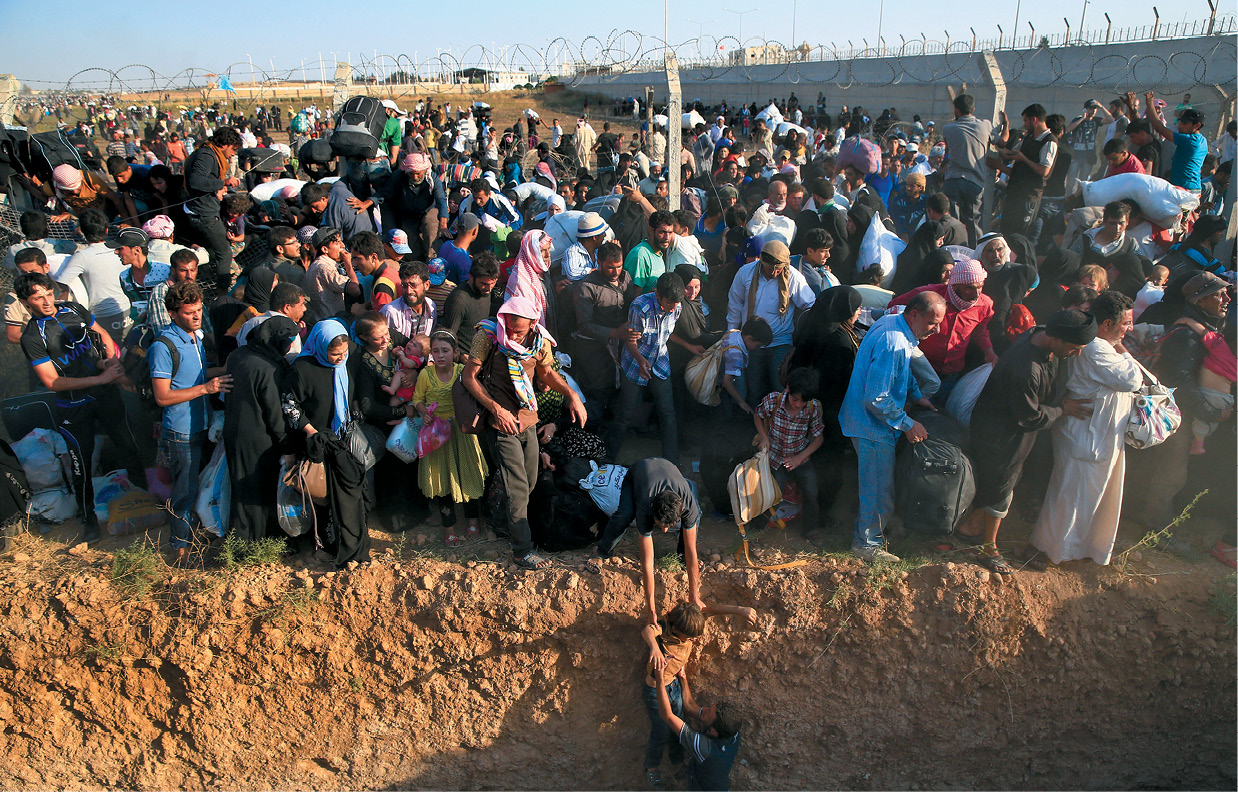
{"x":508,"y":352}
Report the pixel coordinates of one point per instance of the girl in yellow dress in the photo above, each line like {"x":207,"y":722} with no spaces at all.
{"x":456,"y":471}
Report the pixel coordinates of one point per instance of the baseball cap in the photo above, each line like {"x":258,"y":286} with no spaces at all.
{"x":129,"y":237}
{"x":913,"y":147}
{"x":323,"y":235}
{"x":438,"y":271}
{"x":398,"y":240}
{"x":1202,"y":285}
{"x":467,"y":222}
{"x":1192,"y":116}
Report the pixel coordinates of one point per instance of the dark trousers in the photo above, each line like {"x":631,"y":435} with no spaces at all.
{"x":965,"y":201}
{"x":447,"y":510}
{"x":762,"y":372}
{"x":215,"y":239}
{"x":79,"y":421}
{"x":660,"y":735}
{"x":515,"y":457}
{"x":630,"y":393}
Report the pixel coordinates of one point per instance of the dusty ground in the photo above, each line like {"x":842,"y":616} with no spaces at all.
{"x":411,"y":672}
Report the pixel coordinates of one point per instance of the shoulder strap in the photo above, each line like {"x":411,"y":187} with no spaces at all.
{"x":172,"y":350}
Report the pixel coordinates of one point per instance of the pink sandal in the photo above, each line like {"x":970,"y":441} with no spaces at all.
{"x":472,"y":533}
{"x":453,"y":540}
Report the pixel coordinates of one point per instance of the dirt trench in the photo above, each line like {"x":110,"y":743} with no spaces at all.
{"x":430,"y":675}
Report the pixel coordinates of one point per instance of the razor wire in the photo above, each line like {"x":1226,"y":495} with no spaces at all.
{"x":1080,"y":61}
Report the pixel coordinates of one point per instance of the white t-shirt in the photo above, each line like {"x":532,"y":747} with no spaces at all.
{"x":99,"y":268}
{"x":1150,"y":294}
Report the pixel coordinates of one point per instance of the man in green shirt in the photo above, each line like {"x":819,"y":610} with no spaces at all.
{"x":647,"y":261}
{"x":393,"y":131}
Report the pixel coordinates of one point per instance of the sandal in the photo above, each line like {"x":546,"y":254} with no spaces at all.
{"x":996,"y":564}
{"x":594,"y":565}
{"x":1225,"y":554}
{"x":453,"y":540}
{"x":472,"y":533}
{"x":533,"y":561}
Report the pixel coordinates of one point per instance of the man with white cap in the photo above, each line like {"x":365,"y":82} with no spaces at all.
{"x":393,"y":131}
{"x":417,"y":203}
{"x":581,"y":258}
{"x":715,"y":131}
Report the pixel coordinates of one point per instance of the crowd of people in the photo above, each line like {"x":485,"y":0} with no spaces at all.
{"x":300,"y":307}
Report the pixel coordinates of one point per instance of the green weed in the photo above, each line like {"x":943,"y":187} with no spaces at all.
{"x":106,"y":652}
{"x":135,"y":569}
{"x":1154,"y":538}
{"x":237,"y":553}
{"x":1224,"y":599}
{"x":671,"y":562}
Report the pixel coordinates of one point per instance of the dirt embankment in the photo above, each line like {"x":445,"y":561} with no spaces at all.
{"x":425,"y":674}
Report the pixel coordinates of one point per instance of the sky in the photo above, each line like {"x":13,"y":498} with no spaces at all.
{"x":212,"y":37}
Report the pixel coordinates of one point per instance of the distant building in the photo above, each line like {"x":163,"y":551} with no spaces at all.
{"x":755,"y":56}
{"x":492,"y":79}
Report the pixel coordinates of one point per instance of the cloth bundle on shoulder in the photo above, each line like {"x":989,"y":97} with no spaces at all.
{"x":880,"y":246}
{"x":863,"y":155}
{"x":753,"y":488}
{"x":1160,"y":201}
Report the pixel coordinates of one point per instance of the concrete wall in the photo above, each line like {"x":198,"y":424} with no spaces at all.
{"x":1061,"y":79}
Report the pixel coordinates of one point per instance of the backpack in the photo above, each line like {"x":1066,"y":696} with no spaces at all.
{"x":135,"y":359}
{"x":358,"y":128}
{"x":933,"y":480}
{"x":1144,"y":341}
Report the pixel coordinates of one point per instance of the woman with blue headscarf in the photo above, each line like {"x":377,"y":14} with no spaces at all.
{"x":319,"y":404}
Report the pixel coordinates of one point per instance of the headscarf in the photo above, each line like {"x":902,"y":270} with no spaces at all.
{"x":1060,"y":267}
{"x":1132,"y":273}
{"x":967,"y":273}
{"x":933,"y":264}
{"x":258,"y":288}
{"x":783,"y":277}
{"x":1072,"y":326}
{"x":862,"y":216}
{"x":316,"y":344}
{"x":923,"y":242}
{"x":66,"y":178}
{"x":833,"y":308}
{"x":496,"y":330}
{"x":987,"y":240}
{"x":273,"y":338}
{"x":692,"y":323}
{"x":415,"y":162}
{"x":824,"y":341}
{"x":526,"y":274}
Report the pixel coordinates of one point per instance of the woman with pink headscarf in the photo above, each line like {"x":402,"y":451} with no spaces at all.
{"x":528,"y":278}
{"x":508,"y":354}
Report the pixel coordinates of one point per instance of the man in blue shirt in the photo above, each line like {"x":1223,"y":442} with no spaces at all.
{"x":645,"y":362}
{"x":179,"y":378}
{"x":873,"y":413}
{"x":1190,"y":146}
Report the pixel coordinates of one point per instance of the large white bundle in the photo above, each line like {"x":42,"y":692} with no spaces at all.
{"x":787,"y":126}
{"x":529,"y":189}
{"x":562,"y":229}
{"x":772,"y":115}
{"x":660,"y":120}
{"x":765,"y":225}
{"x":1159,"y":200}
{"x":267,"y":191}
{"x":690,"y":119}
{"x":880,"y":246}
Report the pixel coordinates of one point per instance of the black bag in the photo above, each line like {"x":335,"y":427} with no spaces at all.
{"x":562,"y":517}
{"x":135,"y":358}
{"x":358,"y":127}
{"x":23,"y":414}
{"x":316,"y":152}
{"x":933,"y":481}
{"x":43,"y":151}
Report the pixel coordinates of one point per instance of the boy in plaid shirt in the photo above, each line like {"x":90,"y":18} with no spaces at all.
{"x":645,"y":363}
{"x":790,"y":427}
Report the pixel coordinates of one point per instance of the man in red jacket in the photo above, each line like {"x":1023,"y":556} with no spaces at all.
{"x":968,"y":311}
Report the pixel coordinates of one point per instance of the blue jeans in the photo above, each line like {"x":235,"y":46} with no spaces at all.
{"x":876,"y":463}
{"x":182,"y":455}
{"x":630,"y":393}
{"x":762,"y":372}
{"x":660,"y":734}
